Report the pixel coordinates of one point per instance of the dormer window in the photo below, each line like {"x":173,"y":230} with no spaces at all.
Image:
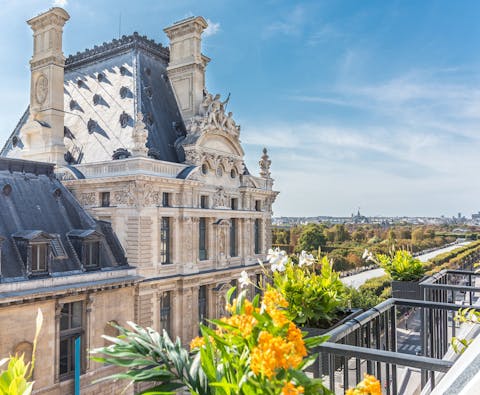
{"x":92,"y":254}
{"x":35,"y":250}
{"x":87,"y":244}
{"x":39,"y":257}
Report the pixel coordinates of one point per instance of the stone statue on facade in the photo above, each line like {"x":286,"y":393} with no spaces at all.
{"x":213,"y":116}
{"x":265,"y":163}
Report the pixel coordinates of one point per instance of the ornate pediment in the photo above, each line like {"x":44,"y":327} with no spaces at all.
{"x":214,"y":131}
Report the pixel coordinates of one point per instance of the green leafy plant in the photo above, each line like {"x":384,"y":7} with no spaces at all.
{"x":400,"y":265}
{"x":315,"y":294}
{"x":15,"y":379}
{"x":467,"y":315}
{"x":256,"y":350}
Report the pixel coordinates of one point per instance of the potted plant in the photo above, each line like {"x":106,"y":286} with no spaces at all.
{"x":255,"y":350}
{"x":405,"y":271}
{"x":316,"y":296}
{"x":317,"y":299}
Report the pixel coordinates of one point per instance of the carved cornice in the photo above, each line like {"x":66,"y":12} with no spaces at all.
{"x":55,"y":17}
{"x":54,"y":59}
{"x":187,"y":26}
{"x":115,"y":46}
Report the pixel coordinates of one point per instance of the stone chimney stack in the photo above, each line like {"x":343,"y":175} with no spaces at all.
{"x":43,"y":133}
{"x":186,"y":69}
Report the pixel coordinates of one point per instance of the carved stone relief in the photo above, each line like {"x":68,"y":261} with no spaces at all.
{"x":127,"y":196}
{"x":220,"y":199}
{"x":87,"y":198}
{"x":41,"y":89}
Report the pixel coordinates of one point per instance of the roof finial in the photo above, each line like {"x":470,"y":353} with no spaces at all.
{"x":265,"y":163}
{"x":139,"y":136}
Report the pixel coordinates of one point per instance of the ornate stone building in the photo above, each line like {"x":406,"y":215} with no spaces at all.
{"x":142,"y":144}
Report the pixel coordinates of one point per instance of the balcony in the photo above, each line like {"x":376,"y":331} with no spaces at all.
{"x":405,"y":343}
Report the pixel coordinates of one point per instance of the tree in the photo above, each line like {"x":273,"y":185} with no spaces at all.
{"x":311,"y":238}
{"x":354,"y":260}
{"x":341,"y":233}
{"x":280,"y":236}
{"x":405,"y":233}
{"x":359,"y":236}
{"x":417,"y":234}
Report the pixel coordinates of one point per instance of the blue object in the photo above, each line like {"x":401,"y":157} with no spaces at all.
{"x":77,"y":365}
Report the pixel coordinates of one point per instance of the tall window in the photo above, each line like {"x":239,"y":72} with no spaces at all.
{"x":165,"y":241}
{"x":39,"y":258}
{"x":234,"y":203}
{"x":204,"y":201}
{"x":71,"y":327}
{"x":202,"y":239}
{"x":202,"y":304}
{"x":233,"y":237}
{"x":92,"y":254}
{"x":166,"y":199}
{"x":166,"y":312}
{"x":258,"y":205}
{"x":256,"y":232}
{"x":105,"y":198}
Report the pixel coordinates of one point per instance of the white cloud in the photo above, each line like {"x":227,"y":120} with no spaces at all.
{"x":290,"y":25}
{"x":212,"y":28}
{"x":60,"y":3}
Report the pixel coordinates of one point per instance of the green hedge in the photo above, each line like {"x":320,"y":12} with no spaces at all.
{"x":451,"y":259}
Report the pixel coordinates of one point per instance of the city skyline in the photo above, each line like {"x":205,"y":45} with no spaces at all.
{"x":360,"y":104}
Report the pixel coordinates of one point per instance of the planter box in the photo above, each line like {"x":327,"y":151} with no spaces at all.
{"x":407,"y":290}
{"x":322,"y":369}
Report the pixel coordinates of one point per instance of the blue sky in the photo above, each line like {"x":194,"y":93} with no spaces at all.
{"x":371,"y":104}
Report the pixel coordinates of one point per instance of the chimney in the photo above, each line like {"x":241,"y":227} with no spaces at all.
{"x":43,"y":133}
{"x":186,"y":69}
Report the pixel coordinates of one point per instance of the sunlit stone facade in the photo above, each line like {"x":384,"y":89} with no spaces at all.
{"x":142,"y":144}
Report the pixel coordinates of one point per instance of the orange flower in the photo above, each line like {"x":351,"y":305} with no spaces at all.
{"x":369,"y":386}
{"x":274,"y":352}
{"x":197,"y":343}
{"x":290,"y":389}
{"x":243,"y":322}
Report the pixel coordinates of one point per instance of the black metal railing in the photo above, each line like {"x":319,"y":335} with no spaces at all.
{"x":378,"y":342}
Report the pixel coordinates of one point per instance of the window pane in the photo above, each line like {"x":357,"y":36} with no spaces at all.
{"x":77,"y":314}
{"x":257,"y":236}
{"x":42,"y":262}
{"x":202,"y":304}
{"x":92,"y":254}
{"x":233,"y":237}
{"x":35,"y":258}
{"x":165,"y":311}
{"x":65,"y":317}
{"x":63,"y":362}
{"x":165,"y":240}
{"x":202,"y":245}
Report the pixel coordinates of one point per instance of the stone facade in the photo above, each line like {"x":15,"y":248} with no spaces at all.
{"x":162,"y":163}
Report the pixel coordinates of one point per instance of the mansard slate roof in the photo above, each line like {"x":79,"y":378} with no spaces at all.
{"x":105,"y":87}
{"x":34,"y":204}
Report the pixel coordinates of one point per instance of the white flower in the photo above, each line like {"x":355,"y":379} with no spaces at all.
{"x":365,"y":254}
{"x":278,"y":267}
{"x":305,"y":259}
{"x":278,"y":259}
{"x":244,"y":280}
